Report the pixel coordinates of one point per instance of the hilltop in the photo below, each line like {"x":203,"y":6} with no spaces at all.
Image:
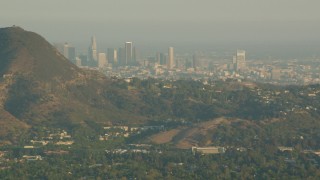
{"x":27,"y":53}
{"x":39,"y":86}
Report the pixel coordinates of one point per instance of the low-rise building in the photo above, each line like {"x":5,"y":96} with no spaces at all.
{"x":64,"y":143}
{"x":208,"y":150}
{"x":32,"y":158}
{"x":283,"y":148}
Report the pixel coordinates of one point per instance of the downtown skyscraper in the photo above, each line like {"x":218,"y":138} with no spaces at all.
{"x":92,"y":51}
{"x":170,"y":61}
{"x":241,"y":60}
{"x":128,"y":53}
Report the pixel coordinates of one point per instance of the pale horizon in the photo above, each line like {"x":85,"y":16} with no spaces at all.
{"x":189,"y":23}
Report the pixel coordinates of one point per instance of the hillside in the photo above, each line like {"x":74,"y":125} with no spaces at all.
{"x":38,"y":86}
{"x":27,"y":53}
{"x":217,"y":112}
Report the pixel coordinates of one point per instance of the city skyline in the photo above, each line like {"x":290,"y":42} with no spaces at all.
{"x":256,"y":51}
{"x":198,"y":64}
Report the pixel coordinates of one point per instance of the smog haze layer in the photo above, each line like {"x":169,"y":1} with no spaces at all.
{"x":267,"y":27}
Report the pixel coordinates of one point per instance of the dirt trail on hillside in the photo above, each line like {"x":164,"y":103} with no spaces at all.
{"x":165,"y":137}
{"x":186,"y":137}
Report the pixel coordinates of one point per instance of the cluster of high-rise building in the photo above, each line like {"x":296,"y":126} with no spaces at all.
{"x":163,"y":61}
{"x":114,"y":57}
{"x":167,"y":63}
{"x":122,"y":62}
{"x":123,"y":56}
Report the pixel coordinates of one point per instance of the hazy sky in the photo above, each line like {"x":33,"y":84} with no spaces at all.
{"x":167,"y":21}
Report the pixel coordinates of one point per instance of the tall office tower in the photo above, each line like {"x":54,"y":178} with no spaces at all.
{"x":241,"y":60}
{"x":102,"y":60}
{"x":129,"y":53}
{"x":93,"y":54}
{"x":112,"y":56}
{"x":122,"y":57}
{"x":170,"y":62}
